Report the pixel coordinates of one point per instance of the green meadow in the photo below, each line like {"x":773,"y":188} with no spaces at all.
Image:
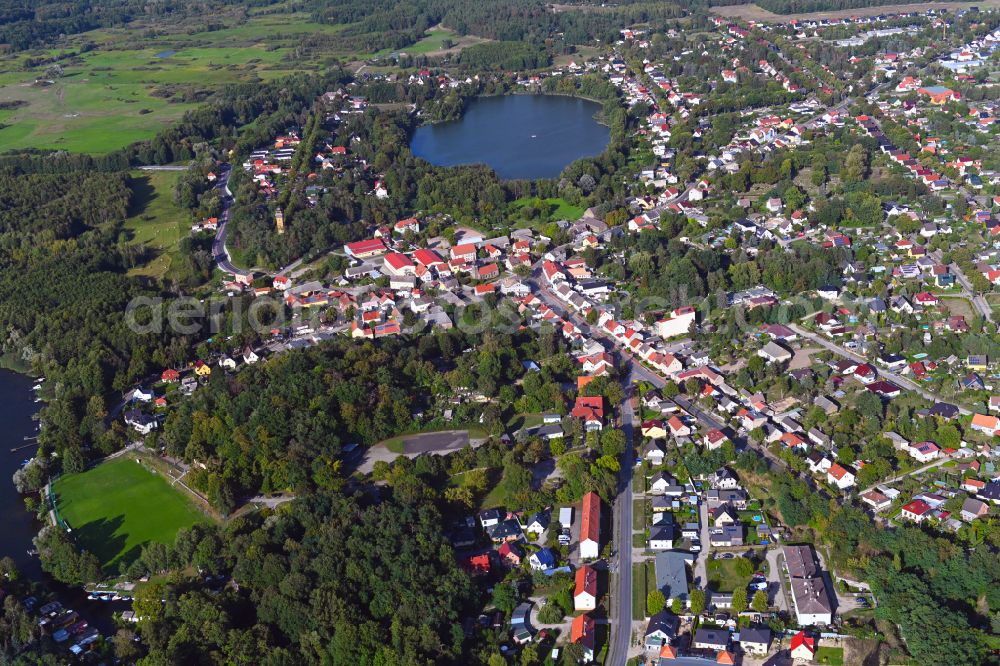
{"x":156,"y":221}
{"x":126,"y":88}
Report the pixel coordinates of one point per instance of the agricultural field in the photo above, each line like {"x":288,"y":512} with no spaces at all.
{"x":118,"y":506}
{"x":156,"y":221}
{"x":105,"y":89}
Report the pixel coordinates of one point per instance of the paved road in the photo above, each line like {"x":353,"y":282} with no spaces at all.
{"x":892,"y":376}
{"x":271,"y":502}
{"x":621,"y":628}
{"x":219,"y":251}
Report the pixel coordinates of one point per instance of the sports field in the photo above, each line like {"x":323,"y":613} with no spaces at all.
{"x":116,"y":507}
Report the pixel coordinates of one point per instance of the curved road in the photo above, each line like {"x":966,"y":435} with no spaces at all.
{"x":219,"y":251}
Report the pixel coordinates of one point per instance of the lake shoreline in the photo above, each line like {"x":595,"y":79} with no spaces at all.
{"x":525,"y":135}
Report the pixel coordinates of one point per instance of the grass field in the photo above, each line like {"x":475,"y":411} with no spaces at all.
{"x":834,"y":656}
{"x":154,"y":219}
{"x":722,"y":575}
{"x":638,"y":590}
{"x":432,"y":43}
{"x":552,"y":209}
{"x":116,"y":507}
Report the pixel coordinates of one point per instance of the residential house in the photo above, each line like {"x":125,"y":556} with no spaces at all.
{"x":671,"y":575}
{"x":725,"y":479}
{"x":511,"y":553}
{"x":654,"y":429}
{"x":660,"y":630}
{"x":583,"y":632}
{"x":141,"y":422}
{"x":772,"y":352}
{"x":678,"y":428}
{"x":973,"y":509}
{"x":924,"y":451}
{"x":802,"y":648}
{"x":653,"y":452}
{"x":714,"y":439}
{"x":730,"y":535}
{"x":755,"y":640}
{"x":840,"y":476}
{"x":590,"y":409}
{"x":989,"y":425}
{"x":506,"y":530}
{"x":590,"y":526}
{"x":542,"y":560}
{"x":918,"y":511}
{"x":660,"y":482}
{"x":710,"y":639}
{"x":538,"y":522}
{"x":661,"y":537}
{"x":876,"y":500}
{"x":585,"y":592}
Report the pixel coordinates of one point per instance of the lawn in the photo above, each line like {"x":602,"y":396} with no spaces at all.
{"x":834,"y":656}
{"x":723,"y":576}
{"x":639,"y":514}
{"x":547,"y":210}
{"x":156,"y":220}
{"x":638,"y":590}
{"x":118,"y":506}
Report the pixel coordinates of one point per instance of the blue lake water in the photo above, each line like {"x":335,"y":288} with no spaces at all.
{"x":19,"y":527}
{"x":165,"y":54}
{"x":518,"y":136}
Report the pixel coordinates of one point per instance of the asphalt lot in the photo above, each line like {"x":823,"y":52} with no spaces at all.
{"x":435,"y":442}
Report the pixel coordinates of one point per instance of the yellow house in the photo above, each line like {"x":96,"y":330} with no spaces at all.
{"x":202,"y":369}
{"x":654,"y":429}
{"x":977,"y":363}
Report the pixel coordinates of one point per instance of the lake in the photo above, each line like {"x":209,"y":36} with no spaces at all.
{"x":518,"y":136}
{"x":17,"y":405}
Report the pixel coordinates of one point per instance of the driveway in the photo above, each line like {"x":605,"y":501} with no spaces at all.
{"x":701,"y":563}
{"x":776,"y":589}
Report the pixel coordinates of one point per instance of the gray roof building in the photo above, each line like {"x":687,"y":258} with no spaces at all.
{"x":671,"y":574}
